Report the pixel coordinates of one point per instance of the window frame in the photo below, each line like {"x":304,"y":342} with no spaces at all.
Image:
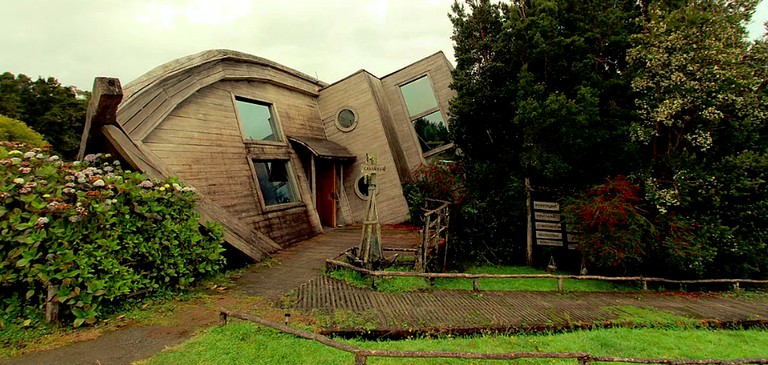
{"x":411,"y":119}
{"x":292,"y":181}
{"x":354,"y":123}
{"x":281,"y":140}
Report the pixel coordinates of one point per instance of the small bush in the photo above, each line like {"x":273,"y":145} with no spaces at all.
{"x":95,"y":231}
{"x":16,"y":131}
{"x":612,"y":225}
{"x":435,"y":180}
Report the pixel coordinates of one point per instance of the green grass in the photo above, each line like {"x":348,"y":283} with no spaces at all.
{"x":245,"y":343}
{"x":402,"y":284}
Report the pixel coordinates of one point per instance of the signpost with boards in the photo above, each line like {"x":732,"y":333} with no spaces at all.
{"x":546,"y":226}
{"x":370,"y":251}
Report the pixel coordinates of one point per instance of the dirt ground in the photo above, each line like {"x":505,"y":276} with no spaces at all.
{"x":128,"y":341}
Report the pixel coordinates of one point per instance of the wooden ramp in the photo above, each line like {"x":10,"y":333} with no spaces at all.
{"x":356,"y":310}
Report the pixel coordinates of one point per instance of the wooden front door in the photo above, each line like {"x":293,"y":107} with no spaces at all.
{"x":326,"y":191}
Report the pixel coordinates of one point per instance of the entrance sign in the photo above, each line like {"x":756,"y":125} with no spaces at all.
{"x":368,"y":169}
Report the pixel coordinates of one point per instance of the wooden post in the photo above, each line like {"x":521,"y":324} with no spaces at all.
{"x":222,"y":318}
{"x":475,"y":286}
{"x":360,"y":359}
{"x":560,"y":284}
{"x":736,"y":286}
{"x":102,"y":110}
{"x":52,"y":304}
{"x":645,"y":284}
{"x":529,"y":235}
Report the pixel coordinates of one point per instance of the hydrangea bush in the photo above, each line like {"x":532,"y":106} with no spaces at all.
{"x":96,"y":232}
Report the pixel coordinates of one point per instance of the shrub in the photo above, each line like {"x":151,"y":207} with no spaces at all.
{"x":612,"y":226}
{"x":436,"y":180}
{"x":16,"y":131}
{"x":95,"y":231}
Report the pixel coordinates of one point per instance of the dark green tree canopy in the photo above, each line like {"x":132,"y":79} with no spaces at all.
{"x":542,"y":87}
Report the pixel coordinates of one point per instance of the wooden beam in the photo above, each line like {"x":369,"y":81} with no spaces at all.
{"x":102,"y":110}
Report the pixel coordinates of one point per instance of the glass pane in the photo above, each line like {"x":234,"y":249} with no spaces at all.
{"x":258,"y":124}
{"x":431,"y":130}
{"x":418,"y":96}
{"x":346,"y":118}
{"x":275,"y":182}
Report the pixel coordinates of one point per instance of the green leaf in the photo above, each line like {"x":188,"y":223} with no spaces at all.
{"x":78,"y":322}
{"x":22,"y":262}
{"x":30,"y":294}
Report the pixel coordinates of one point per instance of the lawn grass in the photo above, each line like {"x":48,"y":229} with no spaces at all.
{"x":246,"y":343}
{"x":404,"y":284}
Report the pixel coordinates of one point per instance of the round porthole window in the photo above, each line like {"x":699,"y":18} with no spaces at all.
{"x":361,"y":188}
{"x":346,"y":120}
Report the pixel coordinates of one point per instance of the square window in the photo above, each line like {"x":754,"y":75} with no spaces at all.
{"x":276,"y":182}
{"x":257,"y":121}
{"x":419,"y":96}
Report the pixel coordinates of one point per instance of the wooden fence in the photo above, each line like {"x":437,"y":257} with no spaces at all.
{"x":331,"y":264}
{"x":362,"y":355}
{"x":434,"y":235}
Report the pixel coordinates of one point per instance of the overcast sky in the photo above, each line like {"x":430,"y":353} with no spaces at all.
{"x":77,"y":40}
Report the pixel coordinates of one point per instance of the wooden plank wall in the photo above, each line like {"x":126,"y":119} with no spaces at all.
{"x":368,"y":137}
{"x":200,"y":140}
{"x":439,"y":70}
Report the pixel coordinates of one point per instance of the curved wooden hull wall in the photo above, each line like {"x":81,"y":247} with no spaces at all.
{"x":201,"y":142}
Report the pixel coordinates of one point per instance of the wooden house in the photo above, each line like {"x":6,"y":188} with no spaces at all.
{"x":276,"y":154}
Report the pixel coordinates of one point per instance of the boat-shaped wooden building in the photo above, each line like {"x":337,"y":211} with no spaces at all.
{"x":274,"y":153}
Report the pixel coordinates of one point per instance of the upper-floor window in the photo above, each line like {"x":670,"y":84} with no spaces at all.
{"x":257,"y":121}
{"x":425,"y":114}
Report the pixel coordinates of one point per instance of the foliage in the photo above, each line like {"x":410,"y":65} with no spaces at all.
{"x":97,"y":232}
{"x":434,"y":180}
{"x":16,"y":131}
{"x":700,"y":87}
{"x":543,"y":92}
{"x":620,"y":237}
{"x":611,"y":223}
{"x":55,"y":111}
{"x":234,"y":342}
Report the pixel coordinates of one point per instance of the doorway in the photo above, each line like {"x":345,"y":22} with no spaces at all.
{"x":327,"y":192}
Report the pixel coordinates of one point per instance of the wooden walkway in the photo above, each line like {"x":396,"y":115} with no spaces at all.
{"x":353,"y":309}
{"x":298,"y":268}
{"x":304,"y":261}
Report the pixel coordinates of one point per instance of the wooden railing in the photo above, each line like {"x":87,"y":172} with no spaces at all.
{"x":331,"y":264}
{"x":362,"y":355}
{"x":434,"y":235}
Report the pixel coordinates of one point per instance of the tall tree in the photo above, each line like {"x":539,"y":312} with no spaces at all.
{"x":55,"y":111}
{"x":543,"y":91}
{"x":702,"y":100}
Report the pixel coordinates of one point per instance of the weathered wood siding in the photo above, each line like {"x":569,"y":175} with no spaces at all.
{"x":355,"y":92}
{"x":200,"y":140}
{"x":439,"y":70}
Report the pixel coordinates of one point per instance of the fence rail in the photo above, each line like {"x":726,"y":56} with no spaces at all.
{"x":330,"y":264}
{"x":362,"y":355}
